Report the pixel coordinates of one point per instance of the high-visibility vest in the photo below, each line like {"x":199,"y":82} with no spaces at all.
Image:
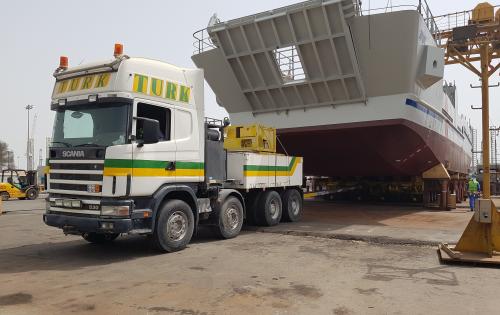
{"x":473,"y":185}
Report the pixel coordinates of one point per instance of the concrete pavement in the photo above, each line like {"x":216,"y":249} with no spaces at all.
{"x":387,"y":224}
{"x":44,"y":272}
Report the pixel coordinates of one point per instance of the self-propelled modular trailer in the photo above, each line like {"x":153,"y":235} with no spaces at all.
{"x":132,"y":153}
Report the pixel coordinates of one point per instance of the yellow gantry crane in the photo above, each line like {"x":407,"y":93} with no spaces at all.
{"x":468,"y":37}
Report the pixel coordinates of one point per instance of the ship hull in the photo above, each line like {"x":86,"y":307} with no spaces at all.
{"x":394,"y":147}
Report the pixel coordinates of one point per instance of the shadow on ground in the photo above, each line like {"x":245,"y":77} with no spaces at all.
{"x":76,"y":254}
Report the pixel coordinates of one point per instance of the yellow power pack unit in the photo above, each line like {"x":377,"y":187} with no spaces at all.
{"x":483,"y":13}
{"x":252,"y":138}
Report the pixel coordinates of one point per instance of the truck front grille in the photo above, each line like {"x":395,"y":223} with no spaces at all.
{"x":91,"y":177}
{"x":75,"y":187}
{"x":73,"y":177}
{"x":60,"y":165}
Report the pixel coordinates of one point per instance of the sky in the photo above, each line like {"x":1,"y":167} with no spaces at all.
{"x":33,"y":34}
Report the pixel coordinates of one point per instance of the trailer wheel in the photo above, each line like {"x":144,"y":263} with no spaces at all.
{"x":4,"y":195}
{"x":32,"y":194}
{"x":292,"y":205}
{"x":229,"y":218}
{"x":99,"y":238}
{"x":174,"y":226}
{"x":270,"y":209}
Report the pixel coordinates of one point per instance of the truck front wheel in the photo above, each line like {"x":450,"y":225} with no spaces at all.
{"x":229,"y":218}
{"x":270,"y":208}
{"x":174,"y":226}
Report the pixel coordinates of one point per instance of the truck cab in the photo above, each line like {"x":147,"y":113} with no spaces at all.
{"x":132,"y":153}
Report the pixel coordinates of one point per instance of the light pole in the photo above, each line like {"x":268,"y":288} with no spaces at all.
{"x":28,"y":158}
{"x":9,"y":165}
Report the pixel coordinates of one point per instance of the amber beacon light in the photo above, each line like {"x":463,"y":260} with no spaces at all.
{"x":63,"y":62}
{"x":118,"y":50}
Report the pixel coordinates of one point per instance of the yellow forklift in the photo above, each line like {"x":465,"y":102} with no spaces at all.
{"x":18,"y":184}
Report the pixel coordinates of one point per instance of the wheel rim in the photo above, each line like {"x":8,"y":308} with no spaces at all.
{"x":231,"y":218}
{"x":177,"y":225}
{"x":274,"y":209}
{"x":31,"y":194}
{"x":294,"y":206}
{"x":5,"y":196}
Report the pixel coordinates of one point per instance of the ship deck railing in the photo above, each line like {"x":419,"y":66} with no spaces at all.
{"x":448,"y":22}
{"x":203,"y":41}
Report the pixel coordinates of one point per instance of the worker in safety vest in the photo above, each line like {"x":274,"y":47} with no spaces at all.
{"x":473,"y":188}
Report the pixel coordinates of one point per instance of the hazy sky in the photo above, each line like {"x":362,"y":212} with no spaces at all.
{"x":33,"y":34}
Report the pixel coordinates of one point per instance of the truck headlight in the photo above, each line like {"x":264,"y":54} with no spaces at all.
{"x":76,"y":203}
{"x":115,"y":211}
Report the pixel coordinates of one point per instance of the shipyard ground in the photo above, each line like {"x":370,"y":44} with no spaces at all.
{"x":44,"y":272}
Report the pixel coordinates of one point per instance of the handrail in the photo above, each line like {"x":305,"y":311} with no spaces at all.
{"x":204,"y":41}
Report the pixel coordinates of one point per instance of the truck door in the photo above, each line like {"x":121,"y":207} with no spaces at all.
{"x":154,"y":164}
{"x":190,"y":152}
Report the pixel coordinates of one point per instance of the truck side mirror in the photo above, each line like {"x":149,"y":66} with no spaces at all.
{"x":148,"y":131}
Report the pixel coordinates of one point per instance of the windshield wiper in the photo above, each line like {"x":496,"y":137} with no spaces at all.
{"x":87,"y":145}
{"x":65,"y":143}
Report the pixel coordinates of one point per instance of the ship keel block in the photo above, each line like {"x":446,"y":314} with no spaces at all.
{"x":437,"y":172}
{"x":480,"y":242}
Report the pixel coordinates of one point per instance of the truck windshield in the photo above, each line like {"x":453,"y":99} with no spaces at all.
{"x":91,"y":124}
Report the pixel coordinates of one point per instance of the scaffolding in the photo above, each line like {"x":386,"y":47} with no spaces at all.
{"x":468,"y":37}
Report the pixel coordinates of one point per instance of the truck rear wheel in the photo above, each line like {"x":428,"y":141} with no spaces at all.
{"x":4,"y":195}
{"x":292,"y":205}
{"x":99,"y":238}
{"x":270,"y":208}
{"x":174,"y":226}
{"x":229,"y":218}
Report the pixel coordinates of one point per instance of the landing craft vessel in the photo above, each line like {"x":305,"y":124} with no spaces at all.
{"x":356,"y":93}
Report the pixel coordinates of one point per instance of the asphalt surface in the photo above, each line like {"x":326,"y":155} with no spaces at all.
{"x":44,"y":272}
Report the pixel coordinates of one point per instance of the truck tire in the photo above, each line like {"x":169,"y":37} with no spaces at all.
{"x":229,"y":218}
{"x":99,"y":238}
{"x":270,"y":209}
{"x":174,"y":226}
{"x":31,"y":193}
{"x":4,"y":195}
{"x":292,"y":205}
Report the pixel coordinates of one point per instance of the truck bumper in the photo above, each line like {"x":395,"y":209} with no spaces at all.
{"x":79,"y":225}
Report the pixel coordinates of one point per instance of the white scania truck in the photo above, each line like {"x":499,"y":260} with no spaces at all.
{"x":133,"y":153}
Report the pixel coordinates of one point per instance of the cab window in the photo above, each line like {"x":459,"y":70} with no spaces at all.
{"x":162,"y":114}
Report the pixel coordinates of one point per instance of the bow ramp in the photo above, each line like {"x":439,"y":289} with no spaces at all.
{"x":299,"y":56}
